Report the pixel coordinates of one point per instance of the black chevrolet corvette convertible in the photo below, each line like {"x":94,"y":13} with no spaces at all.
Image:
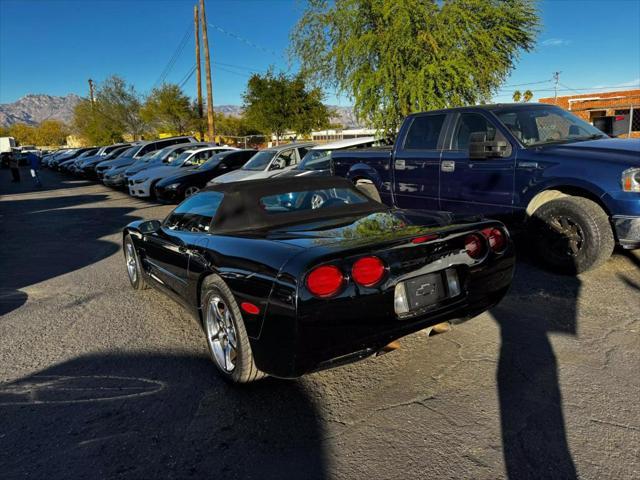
{"x":288,"y":276}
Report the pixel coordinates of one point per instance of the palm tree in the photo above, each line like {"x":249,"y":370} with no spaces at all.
{"x":517,"y":96}
{"x":528,"y":95}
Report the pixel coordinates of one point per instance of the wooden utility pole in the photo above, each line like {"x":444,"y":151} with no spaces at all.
{"x":91,"y":92}
{"x":207,"y":70}
{"x":556,"y":79}
{"x":196,"y":21}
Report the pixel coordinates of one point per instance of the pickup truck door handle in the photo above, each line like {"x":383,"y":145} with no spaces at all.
{"x":448,"y":166}
{"x":528,"y":164}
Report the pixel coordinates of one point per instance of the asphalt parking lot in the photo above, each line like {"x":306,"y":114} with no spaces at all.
{"x":99,"y":381}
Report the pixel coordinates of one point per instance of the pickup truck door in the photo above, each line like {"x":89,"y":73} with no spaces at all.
{"x":417,"y":161}
{"x":475,"y":186}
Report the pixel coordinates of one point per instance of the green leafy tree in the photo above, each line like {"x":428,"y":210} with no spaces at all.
{"x":168,"y":110}
{"x":275,"y":104}
{"x":231,"y":126}
{"x":517,"y":95}
{"x":95,"y":127}
{"x":51,"y":133}
{"x":119,"y":102}
{"x":527,"y":95}
{"x":23,"y":133}
{"x":394,"y":57}
{"x":114,"y":113}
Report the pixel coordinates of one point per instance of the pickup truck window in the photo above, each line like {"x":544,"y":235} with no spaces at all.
{"x":537,"y":125}
{"x":469,"y":123}
{"x":424,"y":132}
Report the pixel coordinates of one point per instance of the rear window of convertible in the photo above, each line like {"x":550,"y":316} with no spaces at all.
{"x":311,"y":200}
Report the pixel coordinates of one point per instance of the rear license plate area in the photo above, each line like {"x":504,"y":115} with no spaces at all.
{"x":425,"y":290}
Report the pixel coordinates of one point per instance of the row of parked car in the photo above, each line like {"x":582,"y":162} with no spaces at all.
{"x":171,"y":169}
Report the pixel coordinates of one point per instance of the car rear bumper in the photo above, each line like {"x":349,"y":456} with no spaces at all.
{"x":627,"y":230}
{"x":329,"y":334}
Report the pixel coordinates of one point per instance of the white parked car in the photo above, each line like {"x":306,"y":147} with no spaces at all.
{"x":267,"y":163}
{"x":317,"y":160}
{"x":141,"y":184}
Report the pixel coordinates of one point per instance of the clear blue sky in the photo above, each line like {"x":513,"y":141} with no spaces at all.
{"x":54,"y":46}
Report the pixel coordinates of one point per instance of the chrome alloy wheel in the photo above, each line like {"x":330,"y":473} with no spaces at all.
{"x":569,"y":237}
{"x":191,"y":191}
{"x":317,"y":201}
{"x":221,"y":333}
{"x":132,"y":267}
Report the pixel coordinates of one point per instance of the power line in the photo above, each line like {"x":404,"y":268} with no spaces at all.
{"x":249,"y":69}
{"x":584,"y":89}
{"x":525,"y":84}
{"x":244,"y":40}
{"x":568,"y":88}
{"x":187,"y":76}
{"x":174,"y":58}
{"x":235,"y":73}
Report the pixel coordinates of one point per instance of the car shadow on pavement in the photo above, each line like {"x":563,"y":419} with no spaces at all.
{"x":49,"y":236}
{"x":156,"y":416}
{"x":634,"y":258}
{"x":532,"y":421}
{"x":49,"y":179}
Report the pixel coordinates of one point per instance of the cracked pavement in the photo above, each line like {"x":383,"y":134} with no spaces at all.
{"x":100,"y":381}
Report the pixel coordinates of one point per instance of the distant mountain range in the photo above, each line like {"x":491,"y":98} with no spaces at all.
{"x":34,"y":108}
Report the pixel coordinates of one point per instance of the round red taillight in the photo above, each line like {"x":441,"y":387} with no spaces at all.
{"x":475,"y":246}
{"x":496,"y":238}
{"x":367,"y":271}
{"x":325,"y":281}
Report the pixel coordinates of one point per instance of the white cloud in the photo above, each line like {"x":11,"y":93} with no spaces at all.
{"x":555,"y":42}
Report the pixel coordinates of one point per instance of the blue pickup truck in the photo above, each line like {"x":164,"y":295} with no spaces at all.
{"x":576,"y":190}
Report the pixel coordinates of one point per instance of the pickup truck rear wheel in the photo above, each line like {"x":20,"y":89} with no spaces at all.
{"x":369,"y":189}
{"x":572,"y":234}
{"x":226,"y":335}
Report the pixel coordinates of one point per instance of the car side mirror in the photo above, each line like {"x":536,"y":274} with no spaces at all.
{"x":150,"y":226}
{"x":276,"y":165}
{"x":480,"y":147}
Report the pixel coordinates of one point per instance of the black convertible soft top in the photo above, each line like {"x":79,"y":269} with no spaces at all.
{"x":241,"y":210}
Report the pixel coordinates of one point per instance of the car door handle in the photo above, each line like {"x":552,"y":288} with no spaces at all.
{"x":528,"y":164}
{"x":185,"y":250}
{"x":448,"y":166}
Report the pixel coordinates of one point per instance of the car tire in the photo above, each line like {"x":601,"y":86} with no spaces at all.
{"x":571,"y":234}
{"x":134,"y":267}
{"x":152,"y":190}
{"x":219,"y":307}
{"x":369,"y":189}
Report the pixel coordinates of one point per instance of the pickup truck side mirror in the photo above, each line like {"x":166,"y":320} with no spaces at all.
{"x":480,"y":147}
